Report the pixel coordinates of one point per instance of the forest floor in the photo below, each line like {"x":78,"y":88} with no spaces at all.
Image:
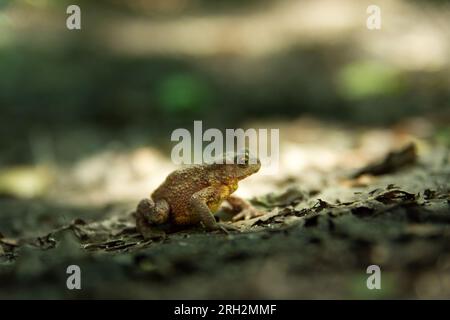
{"x":316,"y":240}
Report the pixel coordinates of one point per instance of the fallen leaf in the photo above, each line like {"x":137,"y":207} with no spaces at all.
{"x":394,"y":196}
{"x":10,"y":242}
{"x":320,"y":205}
{"x":393,"y":161}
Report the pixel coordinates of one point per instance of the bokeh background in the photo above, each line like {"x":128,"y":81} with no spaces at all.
{"x":86,"y":115}
{"x":140,"y":69}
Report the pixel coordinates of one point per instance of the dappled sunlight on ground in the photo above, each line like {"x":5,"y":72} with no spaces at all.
{"x":313,"y":154}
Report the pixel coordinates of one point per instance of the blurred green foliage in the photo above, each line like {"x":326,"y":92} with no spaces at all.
{"x":367,"y":79}
{"x":184,"y":93}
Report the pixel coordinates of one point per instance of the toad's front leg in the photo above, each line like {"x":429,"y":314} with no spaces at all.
{"x":200,"y":204}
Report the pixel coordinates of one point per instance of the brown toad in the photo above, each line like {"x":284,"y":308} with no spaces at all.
{"x":191,"y":195}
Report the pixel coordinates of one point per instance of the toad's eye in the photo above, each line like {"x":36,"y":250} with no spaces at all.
{"x":243,"y":161}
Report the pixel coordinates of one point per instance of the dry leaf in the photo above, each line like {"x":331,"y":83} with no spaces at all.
{"x":392,"y":162}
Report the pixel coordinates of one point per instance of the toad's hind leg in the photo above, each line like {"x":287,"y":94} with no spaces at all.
{"x":150,"y":214}
{"x":243,"y":208}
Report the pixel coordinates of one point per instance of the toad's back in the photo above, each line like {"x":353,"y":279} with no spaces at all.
{"x":178,"y":189}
